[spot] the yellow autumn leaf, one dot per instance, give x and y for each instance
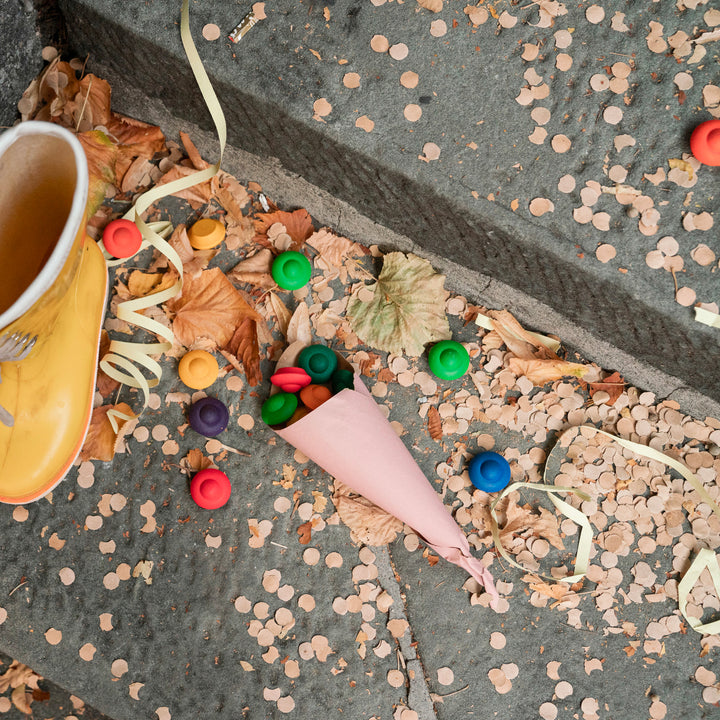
(404, 309)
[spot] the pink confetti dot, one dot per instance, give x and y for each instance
(412, 112)
(211, 32)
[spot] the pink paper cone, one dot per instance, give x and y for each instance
(350, 438)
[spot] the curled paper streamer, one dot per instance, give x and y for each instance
(128, 355)
(704, 559)
(707, 317)
(582, 556)
(350, 438)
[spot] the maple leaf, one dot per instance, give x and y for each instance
(298, 225)
(100, 439)
(209, 307)
(404, 309)
(244, 347)
(197, 195)
(369, 524)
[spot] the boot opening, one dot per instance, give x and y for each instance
(38, 177)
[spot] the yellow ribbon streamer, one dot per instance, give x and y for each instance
(707, 317)
(582, 557)
(705, 558)
(128, 355)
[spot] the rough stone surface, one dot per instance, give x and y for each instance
(179, 647)
(469, 81)
(20, 59)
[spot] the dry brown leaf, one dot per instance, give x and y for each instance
(434, 423)
(333, 249)
(192, 152)
(141, 284)
(100, 438)
(239, 233)
(613, 385)
(135, 139)
(298, 225)
(208, 307)
(195, 461)
(299, 327)
(540, 372)
(548, 526)
(15, 676)
(90, 106)
(105, 384)
(137, 177)
(516, 338)
(369, 524)
(255, 270)
(231, 194)
(304, 532)
(22, 699)
(197, 195)
(282, 314)
(101, 157)
(244, 348)
(556, 591)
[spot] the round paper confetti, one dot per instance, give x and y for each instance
(379, 43)
(53, 636)
(566, 184)
(595, 14)
(211, 32)
(365, 123)
(409, 79)
(561, 143)
(321, 107)
(399, 51)
(412, 112)
(497, 640)
(540, 206)
(685, 296)
(445, 676)
(438, 28)
(395, 678)
(351, 80)
(612, 115)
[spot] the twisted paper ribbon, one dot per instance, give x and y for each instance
(128, 355)
(705, 557)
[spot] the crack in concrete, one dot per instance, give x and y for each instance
(419, 698)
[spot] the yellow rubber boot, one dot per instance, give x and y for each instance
(53, 284)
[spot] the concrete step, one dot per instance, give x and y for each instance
(471, 206)
(283, 90)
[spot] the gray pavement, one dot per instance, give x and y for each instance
(185, 645)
